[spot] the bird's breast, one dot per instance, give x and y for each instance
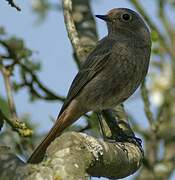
(119, 79)
(130, 66)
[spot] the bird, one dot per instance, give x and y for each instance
(111, 73)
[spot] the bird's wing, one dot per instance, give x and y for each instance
(94, 63)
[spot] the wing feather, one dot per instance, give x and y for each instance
(95, 62)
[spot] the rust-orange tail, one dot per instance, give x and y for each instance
(63, 121)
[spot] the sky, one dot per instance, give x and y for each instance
(51, 45)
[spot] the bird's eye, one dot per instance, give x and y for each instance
(126, 17)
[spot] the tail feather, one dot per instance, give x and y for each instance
(65, 119)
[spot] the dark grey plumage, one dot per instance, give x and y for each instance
(111, 73)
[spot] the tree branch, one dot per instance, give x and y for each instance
(6, 76)
(75, 156)
(14, 121)
(48, 94)
(18, 126)
(71, 29)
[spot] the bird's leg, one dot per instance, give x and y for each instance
(120, 129)
(112, 123)
(109, 129)
(100, 120)
(128, 133)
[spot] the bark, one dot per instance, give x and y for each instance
(74, 156)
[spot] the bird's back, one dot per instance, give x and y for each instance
(126, 66)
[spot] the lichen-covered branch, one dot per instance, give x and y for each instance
(75, 156)
(81, 27)
(6, 76)
(71, 29)
(13, 121)
(16, 125)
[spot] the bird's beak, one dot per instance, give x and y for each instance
(103, 17)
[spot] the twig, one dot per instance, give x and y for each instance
(153, 126)
(71, 29)
(12, 4)
(144, 93)
(12, 108)
(50, 95)
(165, 20)
(17, 126)
(14, 122)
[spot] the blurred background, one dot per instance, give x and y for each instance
(37, 67)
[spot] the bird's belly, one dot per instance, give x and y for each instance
(115, 83)
(105, 92)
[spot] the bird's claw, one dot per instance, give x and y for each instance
(125, 138)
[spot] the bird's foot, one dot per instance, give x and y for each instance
(126, 138)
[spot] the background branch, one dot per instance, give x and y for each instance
(6, 76)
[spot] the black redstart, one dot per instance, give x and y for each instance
(110, 74)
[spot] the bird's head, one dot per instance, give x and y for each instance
(125, 21)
